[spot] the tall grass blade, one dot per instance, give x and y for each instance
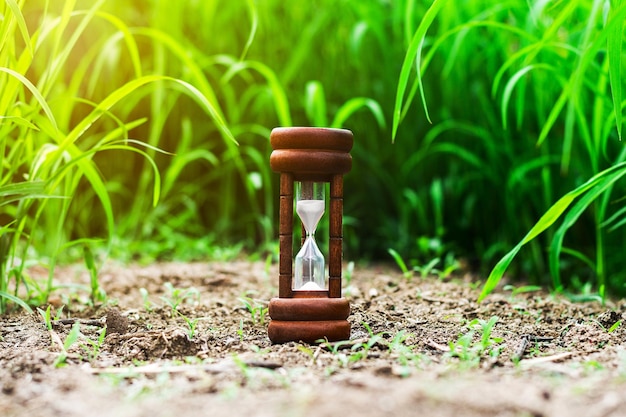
(16, 300)
(26, 189)
(38, 96)
(278, 93)
(510, 85)
(614, 50)
(315, 104)
(254, 20)
(571, 217)
(135, 84)
(414, 50)
(603, 180)
(21, 23)
(355, 104)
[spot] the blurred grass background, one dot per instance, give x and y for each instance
(141, 128)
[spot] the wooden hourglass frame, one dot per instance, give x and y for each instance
(316, 155)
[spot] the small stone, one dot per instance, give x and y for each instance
(116, 323)
(373, 292)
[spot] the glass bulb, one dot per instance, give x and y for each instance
(309, 263)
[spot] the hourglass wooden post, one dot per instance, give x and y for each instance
(310, 307)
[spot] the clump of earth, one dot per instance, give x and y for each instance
(191, 338)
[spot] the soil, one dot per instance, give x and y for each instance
(419, 346)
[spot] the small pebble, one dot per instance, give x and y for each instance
(116, 323)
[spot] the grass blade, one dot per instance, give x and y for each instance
(315, 104)
(614, 50)
(571, 217)
(21, 23)
(38, 96)
(16, 300)
(510, 85)
(604, 178)
(414, 50)
(254, 17)
(353, 105)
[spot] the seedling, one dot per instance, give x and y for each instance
(47, 319)
(71, 338)
(402, 353)
(257, 310)
(356, 350)
(240, 330)
(98, 295)
(93, 347)
(178, 296)
(450, 264)
(335, 348)
(521, 290)
(191, 324)
(308, 351)
(614, 326)
(429, 268)
(408, 274)
(147, 304)
(469, 351)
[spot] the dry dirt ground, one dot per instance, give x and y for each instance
(190, 339)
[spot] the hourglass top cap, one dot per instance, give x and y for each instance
(311, 138)
(311, 150)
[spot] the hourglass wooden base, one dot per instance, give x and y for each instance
(308, 319)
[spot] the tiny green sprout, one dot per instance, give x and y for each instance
(178, 296)
(98, 295)
(191, 324)
(93, 347)
(451, 264)
(71, 338)
(46, 316)
(406, 272)
(470, 351)
(240, 330)
(308, 351)
(147, 304)
(335, 350)
(614, 326)
(368, 328)
(428, 268)
(257, 309)
(403, 353)
(59, 313)
(521, 290)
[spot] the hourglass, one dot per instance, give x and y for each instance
(309, 306)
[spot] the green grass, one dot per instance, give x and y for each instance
(140, 130)
(50, 179)
(546, 129)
